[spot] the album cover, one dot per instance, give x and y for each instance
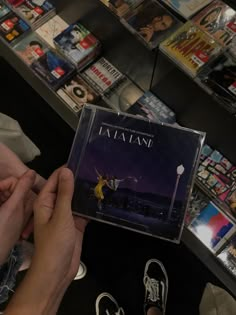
(152, 108)
(191, 48)
(212, 227)
(102, 75)
(4, 10)
(206, 151)
(32, 12)
(14, 3)
(79, 91)
(187, 8)
(123, 94)
(228, 256)
(53, 69)
(198, 202)
(77, 44)
(121, 7)
(151, 22)
(30, 48)
(218, 21)
(221, 79)
(112, 158)
(51, 29)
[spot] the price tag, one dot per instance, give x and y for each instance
(231, 26)
(232, 88)
(7, 25)
(58, 72)
(200, 58)
(38, 52)
(38, 11)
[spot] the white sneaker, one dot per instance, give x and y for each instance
(107, 305)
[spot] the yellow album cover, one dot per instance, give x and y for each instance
(191, 48)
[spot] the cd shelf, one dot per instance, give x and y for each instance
(131, 57)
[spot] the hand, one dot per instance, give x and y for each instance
(58, 237)
(11, 165)
(15, 196)
(147, 32)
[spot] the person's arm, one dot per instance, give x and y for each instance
(58, 245)
(97, 173)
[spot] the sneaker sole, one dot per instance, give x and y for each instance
(81, 275)
(165, 273)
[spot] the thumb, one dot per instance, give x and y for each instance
(64, 193)
(22, 188)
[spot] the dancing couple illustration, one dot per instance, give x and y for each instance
(112, 183)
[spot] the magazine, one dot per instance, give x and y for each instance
(131, 172)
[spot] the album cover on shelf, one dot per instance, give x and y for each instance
(228, 256)
(12, 27)
(4, 10)
(218, 20)
(51, 29)
(152, 108)
(220, 77)
(206, 151)
(102, 75)
(217, 175)
(78, 45)
(198, 202)
(14, 3)
(123, 94)
(121, 7)
(79, 93)
(187, 8)
(35, 14)
(30, 48)
(151, 22)
(53, 69)
(191, 48)
(212, 227)
(111, 159)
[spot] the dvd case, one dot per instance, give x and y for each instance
(53, 69)
(78, 45)
(191, 48)
(30, 48)
(49, 30)
(102, 75)
(151, 22)
(4, 10)
(78, 92)
(228, 256)
(187, 8)
(217, 20)
(131, 172)
(212, 227)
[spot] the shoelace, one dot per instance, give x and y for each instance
(153, 288)
(119, 312)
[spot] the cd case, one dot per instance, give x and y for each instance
(131, 172)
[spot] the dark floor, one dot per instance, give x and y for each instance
(115, 258)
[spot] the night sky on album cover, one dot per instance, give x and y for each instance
(155, 168)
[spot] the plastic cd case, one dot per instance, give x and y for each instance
(131, 172)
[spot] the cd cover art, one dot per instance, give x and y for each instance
(53, 69)
(30, 48)
(228, 256)
(4, 10)
(217, 20)
(212, 227)
(79, 91)
(187, 8)
(31, 12)
(121, 7)
(131, 173)
(191, 48)
(152, 22)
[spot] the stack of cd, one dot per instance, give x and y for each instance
(35, 12)
(78, 45)
(12, 27)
